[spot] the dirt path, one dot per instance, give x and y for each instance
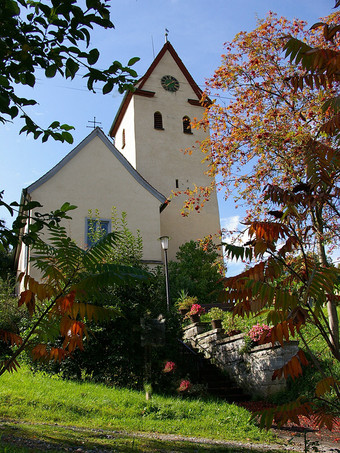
(292, 441)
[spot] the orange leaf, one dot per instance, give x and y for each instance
(27, 297)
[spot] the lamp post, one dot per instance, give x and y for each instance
(165, 245)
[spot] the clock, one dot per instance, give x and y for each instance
(169, 83)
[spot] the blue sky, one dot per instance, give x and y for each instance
(198, 29)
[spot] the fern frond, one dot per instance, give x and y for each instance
(238, 252)
(99, 251)
(282, 414)
(108, 275)
(10, 337)
(92, 312)
(325, 385)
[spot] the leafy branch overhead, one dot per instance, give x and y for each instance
(53, 37)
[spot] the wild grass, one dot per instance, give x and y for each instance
(38, 398)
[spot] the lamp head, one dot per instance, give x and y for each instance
(164, 242)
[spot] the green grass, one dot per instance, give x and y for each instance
(39, 399)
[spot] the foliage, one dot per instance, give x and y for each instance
(275, 135)
(62, 302)
(53, 37)
(215, 313)
(184, 301)
(196, 271)
(231, 323)
(119, 359)
(129, 250)
(292, 289)
(259, 135)
(6, 264)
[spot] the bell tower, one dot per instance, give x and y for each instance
(152, 128)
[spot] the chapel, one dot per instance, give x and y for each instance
(138, 166)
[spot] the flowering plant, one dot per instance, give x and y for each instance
(259, 331)
(196, 309)
(169, 367)
(184, 386)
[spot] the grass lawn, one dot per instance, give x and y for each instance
(37, 406)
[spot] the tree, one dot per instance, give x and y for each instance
(290, 282)
(259, 125)
(53, 37)
(197, 271)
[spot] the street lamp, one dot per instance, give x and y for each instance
(165, 245)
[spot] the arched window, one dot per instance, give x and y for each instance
(158, 121)
(186, 125)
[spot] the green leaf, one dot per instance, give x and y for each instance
(72, 68)
(67, 137)
(67, 207)
(93, 56)
(66, 127)
(133, 60)
(107, 88)
(51, 71)
(54, 125)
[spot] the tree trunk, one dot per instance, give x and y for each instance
(333, 318)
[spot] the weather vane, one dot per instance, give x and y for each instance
(95, 123)
(166, 35)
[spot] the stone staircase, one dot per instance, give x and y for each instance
(206, 373)
(252, 370)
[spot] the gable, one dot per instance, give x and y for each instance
(111, 149)
(144, 88)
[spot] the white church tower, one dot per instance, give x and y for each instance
(152, 128)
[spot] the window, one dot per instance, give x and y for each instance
(96, 229)
(123, 139)
(158, 121)
(186, 125)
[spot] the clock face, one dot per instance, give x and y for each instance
(169, 83)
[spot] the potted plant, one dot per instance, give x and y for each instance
(195, 312)
(216, 315)
(232, 325)
(185, 302)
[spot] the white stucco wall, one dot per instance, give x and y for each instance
(127, 124)
(160, 157)
(95, 179)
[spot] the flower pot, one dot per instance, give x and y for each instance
(183, 311)
(216, 324)
(194, 318)
(231, 333)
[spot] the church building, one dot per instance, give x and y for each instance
(138, 167)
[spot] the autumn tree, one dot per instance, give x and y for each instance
(266, 129)
(258, 124)
(292, 279)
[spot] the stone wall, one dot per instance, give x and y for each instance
(251, 371)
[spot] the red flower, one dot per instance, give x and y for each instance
(196, 309)
(169, 367)
(184, 386)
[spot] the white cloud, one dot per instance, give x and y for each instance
(230, 223)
